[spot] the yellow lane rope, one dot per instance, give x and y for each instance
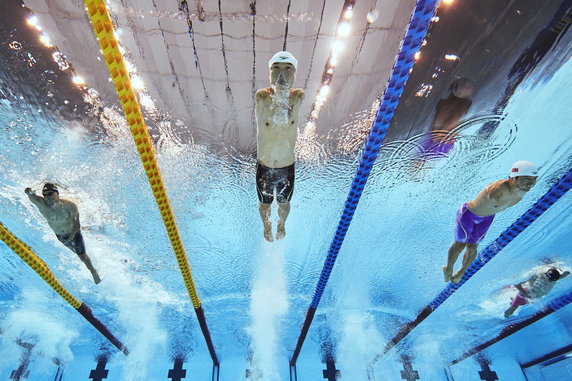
(36, 264)
(105, 33)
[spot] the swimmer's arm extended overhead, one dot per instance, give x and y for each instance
(564, 274)
(36, 200)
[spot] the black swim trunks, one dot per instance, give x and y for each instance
(268, 179)
(75, 243)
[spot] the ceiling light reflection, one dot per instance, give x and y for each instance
(372, 15)
(337, 47)
(452, 57)
(33, 21)
(344, 29)
(137, 82)
(129, 66)
(78, 80)
(45, 39)
(348, 14)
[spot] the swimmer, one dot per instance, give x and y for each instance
(277, 112)
(448, 113)
(63, 217)
(475, 217)
(535, 287)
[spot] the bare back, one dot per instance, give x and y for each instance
(276, 141)
(539, 286)
(62, 216)
(495, 198)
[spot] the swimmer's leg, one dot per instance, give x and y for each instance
(470, 255)
(452, 255)
(283, 211)
(85, 259)
(77, 245)
(265, 210)
(509, 311)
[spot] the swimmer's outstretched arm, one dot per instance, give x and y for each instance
(36, 200)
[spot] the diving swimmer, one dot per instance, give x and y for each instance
(63, 217)
(277, 110)
(535, 287)
(475, 217)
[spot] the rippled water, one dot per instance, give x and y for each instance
(388, 269)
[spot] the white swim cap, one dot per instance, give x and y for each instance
(523, 168)
(283, 57)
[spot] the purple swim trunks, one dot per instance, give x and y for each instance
(519, 300)
(432, 149)
(470, 228)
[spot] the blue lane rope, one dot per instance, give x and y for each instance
(555, 192)
(416, 31)
(510, 329)
(424, 11)
(550, 197)
(560, 302)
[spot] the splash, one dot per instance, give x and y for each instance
(280, 106)
(134, 296)
(359, 341)
(268, 306)
(359, 336)
(33, 324)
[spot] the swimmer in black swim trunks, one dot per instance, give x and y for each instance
(277, 111)
(63, 217)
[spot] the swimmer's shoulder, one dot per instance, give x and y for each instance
(499, 184)
(69, 206)
(496, 189)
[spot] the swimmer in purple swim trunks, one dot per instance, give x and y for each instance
(475, 217)
(448, 113)
(63, 217)
(535, 287)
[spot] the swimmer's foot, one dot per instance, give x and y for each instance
(96, 278)
(509, 311)
(280, 230)
(447, 274)
(268, 232)
(457, 277)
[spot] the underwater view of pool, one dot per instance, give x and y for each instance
(385, 312)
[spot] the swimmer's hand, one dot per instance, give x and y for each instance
(522, 290)
(263, 94)
(29, 191)
(298, 93)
